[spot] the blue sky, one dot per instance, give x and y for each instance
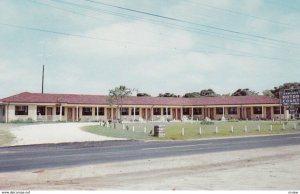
(90, 47)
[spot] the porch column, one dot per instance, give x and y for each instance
(262, 111)
(285, 113)
(77, 113)
(60, 112)
(105, 112)
(181, 113)
(6, 113)
(280, 112)
(161, 111)
(134, 113)
(112, 113)
(176, 114)
(151, 110)
(223, 115)
(192, 113)
(97, 113)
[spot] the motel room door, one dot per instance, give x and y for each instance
(108, 112)
(268, 112)
(178, 114)
(144, 113)
(174, 113)
(114, 114)
(49, 113)
(70, 114)
(248, 113)
(148, 114)
(211, 113)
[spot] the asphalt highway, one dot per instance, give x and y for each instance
(43, 156)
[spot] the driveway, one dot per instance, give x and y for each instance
(54, 133)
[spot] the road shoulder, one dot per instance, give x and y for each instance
(256, 169)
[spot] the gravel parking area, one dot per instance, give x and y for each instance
(54, 133)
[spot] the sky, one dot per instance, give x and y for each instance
(155, 46)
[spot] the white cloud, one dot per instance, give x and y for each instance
(127, 39)
(153, 58)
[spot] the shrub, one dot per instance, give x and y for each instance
(29, 120)
(206, 123)
(233, 120)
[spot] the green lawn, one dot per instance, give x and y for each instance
(191, 130)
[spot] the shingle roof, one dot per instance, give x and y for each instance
(27, 97)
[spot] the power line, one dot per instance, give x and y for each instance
(247, 54)
(186, 28)
(193, 23)
(62, 9)
(234, 12)
(127, 42)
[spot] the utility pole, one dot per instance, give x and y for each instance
(43, 79)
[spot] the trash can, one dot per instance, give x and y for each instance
(159, 131)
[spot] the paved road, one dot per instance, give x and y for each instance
(73, 154)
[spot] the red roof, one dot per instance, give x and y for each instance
(27, 97)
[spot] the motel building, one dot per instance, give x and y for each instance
(75, 108)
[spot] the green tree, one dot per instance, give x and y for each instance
(142, 94)
(192, 95)
(202, 93)
(208, 93)
(116, 96)
(268, 93)
(167, 94)
(244, 92)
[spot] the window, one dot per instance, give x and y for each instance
(232, 110)
(197, 111)
(100, 111)
(87, 111)
(58, 110)
(186, 111)
(41, 110)
(156, 111)
(219, 111)
(125, 111)
(257, 110)
(276, 110)
(21, 110)
(137, 111)
(165, 111)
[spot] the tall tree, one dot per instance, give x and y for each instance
(116, 96)
(285, 86)
(167, 94)
(244, 92)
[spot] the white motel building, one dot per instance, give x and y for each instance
(75, 108)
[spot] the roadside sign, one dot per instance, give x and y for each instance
(290, 97)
